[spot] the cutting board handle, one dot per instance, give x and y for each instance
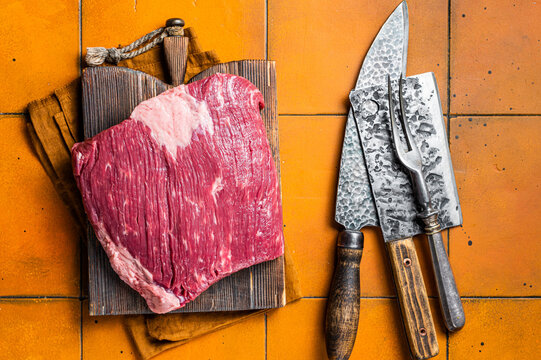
(342, 316)
(176, 50)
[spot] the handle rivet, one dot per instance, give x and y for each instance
(407, 262)
(369, 107)
(422, 331)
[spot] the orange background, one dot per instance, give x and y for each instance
(486, 58)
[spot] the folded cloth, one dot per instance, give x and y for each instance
(55, 125)
(154, 334)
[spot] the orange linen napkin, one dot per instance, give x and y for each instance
(55, 125)
(156, 333)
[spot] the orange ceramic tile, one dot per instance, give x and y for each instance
(496, 162)
(380, 334)
(105, 337)
(319, 48)
(235, 29)
(310, 154)
(39, 50)
(495, 57)
(310, 148)
(429, 42)
(40, 329)
(503, 329)
(243, 341)
(38, 240)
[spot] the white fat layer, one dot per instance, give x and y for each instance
(131, 271)
(173, 117)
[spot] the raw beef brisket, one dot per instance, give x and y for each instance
(185, 191)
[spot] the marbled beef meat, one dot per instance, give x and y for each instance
(185, 191)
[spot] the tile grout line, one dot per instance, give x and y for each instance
(448, 121)
(449, 115)
(448, 244)
(447, 338)
(534, 297)
(39, 297)
(448, 134)
(81, 297)
(265, 336)
(494, 114)
(448, 66)
(80, 37)
(467, 297)
(266, 29)
(81, 330)
(312, 114)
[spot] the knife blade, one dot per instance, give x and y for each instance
(355, 209)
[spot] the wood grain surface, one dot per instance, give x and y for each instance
(413, 299)
(342, 316)
(176, 53)
(109, 96)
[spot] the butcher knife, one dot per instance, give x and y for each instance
(356, 208)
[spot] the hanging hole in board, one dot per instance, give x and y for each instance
(407, 262)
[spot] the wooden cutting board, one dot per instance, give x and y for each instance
(109, 96)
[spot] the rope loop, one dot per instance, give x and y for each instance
(98, 55)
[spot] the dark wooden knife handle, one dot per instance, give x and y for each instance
(342, 316)
(413, 299)
(176, 54)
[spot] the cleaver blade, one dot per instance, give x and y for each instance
(390, 182)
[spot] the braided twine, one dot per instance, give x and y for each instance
(98, 55)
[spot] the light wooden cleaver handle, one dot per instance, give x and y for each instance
(413, 299)
(342, 316)
(176, 51)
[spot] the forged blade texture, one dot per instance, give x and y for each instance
(355, 206)
(388, 54)
(390, 182)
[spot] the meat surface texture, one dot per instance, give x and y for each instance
(184, 192)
